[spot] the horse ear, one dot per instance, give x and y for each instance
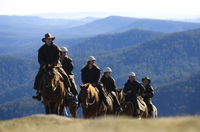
(119, 90)
(84, 85)
(87, 85)
(81, 86)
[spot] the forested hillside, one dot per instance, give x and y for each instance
(109, 42)
(179, 98)
(165, 57)
(17, 77)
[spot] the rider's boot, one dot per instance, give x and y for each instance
(105, 101)
(38, 96)
(68, 92)
(118, 107)
(75, 100)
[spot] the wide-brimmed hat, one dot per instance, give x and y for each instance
(146, 78)
(48, 35)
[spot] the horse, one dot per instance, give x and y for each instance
(52, 91)
(72, 107)
(68, 104)
(110, 109)
(91, 103)
(90, 100)
(128, 107)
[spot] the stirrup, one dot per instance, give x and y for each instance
(37, 97)
(106, 103)
(119, 109)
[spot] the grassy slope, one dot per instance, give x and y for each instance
(41, 123)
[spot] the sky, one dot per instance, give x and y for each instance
(186, 9)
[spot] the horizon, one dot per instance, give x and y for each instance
(156, 9)
(99, 15)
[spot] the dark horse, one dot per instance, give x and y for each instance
(128, 108)
(68, 103)
(52, 91)
(72, 107)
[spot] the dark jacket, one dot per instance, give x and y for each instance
(67, 65)
(149, 92)
(48, 54)
(135, 87)
(108, 83)
(90, 75)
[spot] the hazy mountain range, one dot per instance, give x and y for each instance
(167, 51)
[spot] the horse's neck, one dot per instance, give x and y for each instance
(92, 91)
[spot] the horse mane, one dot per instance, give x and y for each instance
(119, 89)
(92, 90)
(90, 87)
(84, 86)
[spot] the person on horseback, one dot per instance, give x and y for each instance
(110, 86)
(133, 89)
(48, 55)
(90, 73)
(68, 66)
(148, 94)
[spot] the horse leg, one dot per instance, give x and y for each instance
(58, 108)
(72, 110)
(84, 114)
(155, 112)
(61, 111)
(46, 105)
(52, 108)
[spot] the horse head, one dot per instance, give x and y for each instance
(51, 79)
(87, 94)
(121, 96)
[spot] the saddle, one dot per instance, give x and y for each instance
(106, 94)
(141, 103)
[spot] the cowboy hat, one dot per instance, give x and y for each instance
(48, 35)
(146, 78)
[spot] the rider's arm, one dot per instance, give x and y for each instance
(114, 85)
(97, 76)
(151, 92)
(41, 59)
(125, 90)
(71, 66)
(83, 77)
(141, 89)
(56, 56)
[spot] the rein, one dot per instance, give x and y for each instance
(91, 103)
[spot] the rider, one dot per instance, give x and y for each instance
(90, 73)
(68, 66)
(133, 89)
(48, 55)
(110, 86)
(148, 94)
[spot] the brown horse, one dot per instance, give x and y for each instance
(72, 107)
(110, 109)
(128, 108)
(52, 91)
(91, 104)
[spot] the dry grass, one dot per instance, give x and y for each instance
(52, 123)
